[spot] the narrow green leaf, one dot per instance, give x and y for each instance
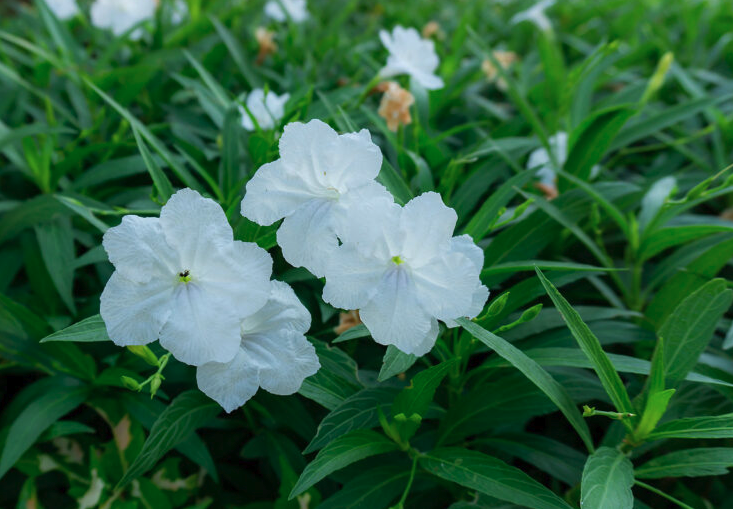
(343, 451)
(373, 489)
(491, 476)
(536, 374)
(591, 347)
(58, 400)
(189, 411)
(688, 463)
(86, 331)
(720, 426)
(56, 239)
(359, 411)
(161, 182)
(395, 362)
(688, 330)
(607, 479)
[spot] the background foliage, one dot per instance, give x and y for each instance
(633, 273)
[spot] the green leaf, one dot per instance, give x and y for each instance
(189, 411)
(395, 183)
(591, 347)
(531, 265)
(236, 52)
(373, 489)
(355, 412)
(415, 398)
(675, 235)
(356, 332)
(720, 426)
(535, 373)
(688, 330)
(607, 479)
(491, 476)
(688, 463)
(56, 239)
(161, 182)
(58, 400)
(395, 362)
(480, 224)
(656, 406)
(86, 331)
(343, 451)
(592, 138)
(335, 381)
(229, 172)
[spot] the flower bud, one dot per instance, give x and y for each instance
(530, 314)
(154, 385)
(130, 383)
(497, 306)
(144, 353)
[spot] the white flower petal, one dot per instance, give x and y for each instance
(369, 219)
(411, 54)
(465, 244)
(394, 316)
(308, 238)
(351, 278)
(202, 327)
(273, 193)
(284, 359)
(239, 275)
(428, 342)
(283, 311)
(194, 226)
(134, 313)
(122, 15)
(63, 9)
(356, 160)
(428, 80)
(230, 384)
(427, 225)
(446, 284)
(138, 250)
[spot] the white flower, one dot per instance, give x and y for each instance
(536, 14)
(273, 354)
(541, 158)
(410, 54)
(63, 9)
(267, 109)
(121, 15)
(181, 278)
(178, 11)
(403, 270)
(318, 176)
(297, 10)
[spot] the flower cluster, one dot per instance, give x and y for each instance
(182, 278)
(400, 267)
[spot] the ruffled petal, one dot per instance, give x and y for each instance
(351, 278)
(353, 160)
(202, 327)
(427, 225)
(283, 311)
(134, 313)
(230, 384)
(308, 238)
(369, 218)
(194, 226)
(283, 359)
(239, 275)
(274, 193)
(306, 149)
(446, 284)
(394, 315)
(138, 250)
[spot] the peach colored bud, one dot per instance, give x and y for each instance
(505, 59)
(727, 214)
(549, 191)
(347, 321)
(395, 106)
(266, 40)
(430, 29)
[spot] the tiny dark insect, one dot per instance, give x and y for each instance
(185, 273)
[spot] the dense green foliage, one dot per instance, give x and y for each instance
(600, 372)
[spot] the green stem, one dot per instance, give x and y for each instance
(401, 503)
(663, 494)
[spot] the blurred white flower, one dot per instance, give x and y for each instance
(267, 109)
(410, 54)
(121, 15)
(273, 354)
(178, 11)
(181, 278)
(297, 10)
(63, 9)
(319, 175)
(536, 14)
(403, 270)
(541, 158)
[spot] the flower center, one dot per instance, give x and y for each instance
(184, 276)
(398, 260)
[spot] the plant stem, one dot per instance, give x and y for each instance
(663, 494)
